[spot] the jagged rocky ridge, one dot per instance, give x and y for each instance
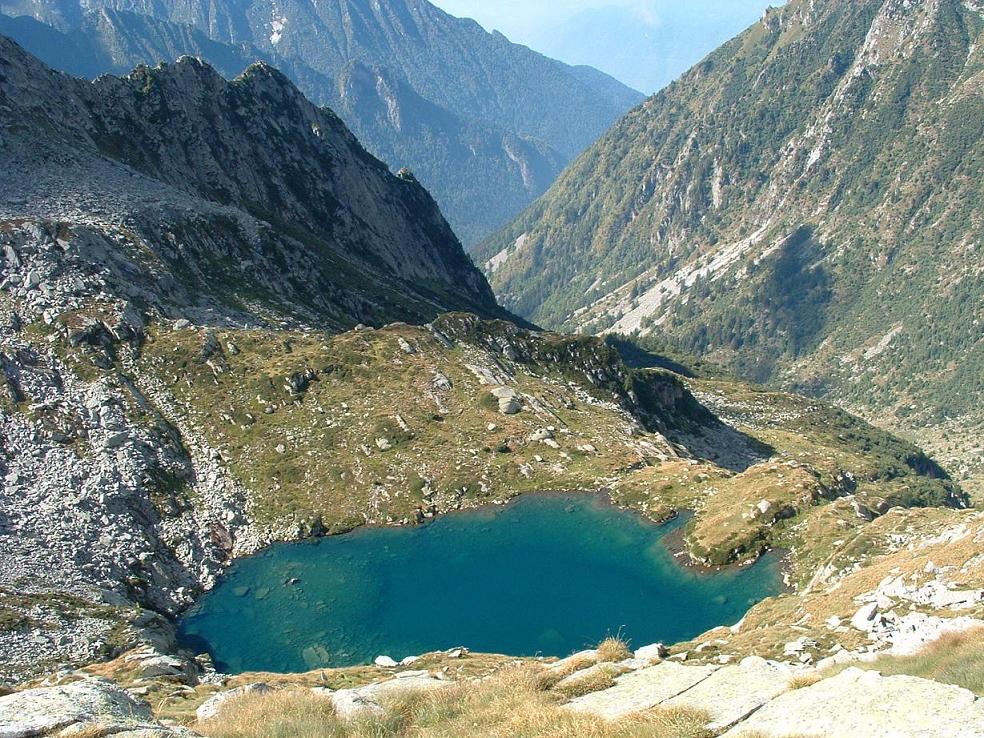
(241, 191)
(395, 71)
(803, 206)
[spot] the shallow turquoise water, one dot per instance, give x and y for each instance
(545, 575)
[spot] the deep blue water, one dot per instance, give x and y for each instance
(544, 575)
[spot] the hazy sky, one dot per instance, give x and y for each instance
(644, 43)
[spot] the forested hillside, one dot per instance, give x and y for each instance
(804, 206)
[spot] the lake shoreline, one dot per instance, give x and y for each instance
(354, 600)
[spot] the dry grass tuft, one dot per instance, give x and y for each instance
(806, 679)
(549, 677)
(591, 680)
(614, 649)
(509, 705)
(282, 714)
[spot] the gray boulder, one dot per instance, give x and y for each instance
(93, 706)
(652, 653)
(211, 707)
(864, 618)
(510, 401)
(352, 703)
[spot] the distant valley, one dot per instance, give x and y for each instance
(803, 207)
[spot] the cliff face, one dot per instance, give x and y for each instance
(804, 206)
(243, 185)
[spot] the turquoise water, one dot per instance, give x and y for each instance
(545, 575)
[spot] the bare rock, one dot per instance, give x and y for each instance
(642, 690)
(211, 707)
(864, 619)
(732, 693)
(864, 703)
(80, 708)
(653, 652)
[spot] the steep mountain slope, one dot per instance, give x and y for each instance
(230, 185)
(485, 124)
(114, 43)
(804, 205)
(452, 62)
(483, 175)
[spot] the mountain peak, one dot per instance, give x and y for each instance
(257, 178)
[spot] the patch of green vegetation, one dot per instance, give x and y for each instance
(315, 454)
(358, 442)
(12, 621)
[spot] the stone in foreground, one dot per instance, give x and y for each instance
(211, 707)
(732, 693)
(642, 690)
(864, 703)
(352, 703)
(91, 707)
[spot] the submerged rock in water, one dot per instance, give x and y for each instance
(316, 657)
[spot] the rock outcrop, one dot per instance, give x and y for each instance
(643, 690)
(92, 707)
(763, 699)
(856, 703)
(250, 189)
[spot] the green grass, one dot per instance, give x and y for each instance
(312, 458)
